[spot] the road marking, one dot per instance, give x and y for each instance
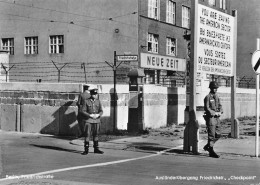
(91, 165)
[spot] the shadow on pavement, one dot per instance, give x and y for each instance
(56, 148)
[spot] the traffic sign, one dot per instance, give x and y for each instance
(127, 57)
(256, 61)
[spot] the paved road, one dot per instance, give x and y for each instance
(56, 161)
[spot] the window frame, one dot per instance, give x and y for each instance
(185, 18)
(171, 13)
(31, 47)
(55, 46)
(170, 45)
(154, 9)
(153, 43)
(10, 45)
(222, 4)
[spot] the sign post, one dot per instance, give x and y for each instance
(256, 67)
(213, 51)
(118, 58)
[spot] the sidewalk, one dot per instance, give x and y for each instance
(228, 147)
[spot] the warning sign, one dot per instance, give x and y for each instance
(214, 42)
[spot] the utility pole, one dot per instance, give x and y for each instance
(114, 67)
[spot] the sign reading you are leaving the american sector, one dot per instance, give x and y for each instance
(215, 48)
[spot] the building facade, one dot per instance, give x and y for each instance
(77, 41)
(248, 31)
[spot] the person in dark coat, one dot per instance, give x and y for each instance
(92, 112)
(81, 99)
(213, 110)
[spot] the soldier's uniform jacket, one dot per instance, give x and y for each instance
(81, 100)
(91, 106)
(211, 106)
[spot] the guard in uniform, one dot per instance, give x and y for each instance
(91, 111)
(81, 99)
(213, 110)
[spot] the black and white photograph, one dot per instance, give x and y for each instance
(129, 92)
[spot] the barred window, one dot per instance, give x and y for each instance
(56, 44)
(31, 45)
(8, 45)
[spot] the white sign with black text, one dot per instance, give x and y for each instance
(161, 62)
(215, 48)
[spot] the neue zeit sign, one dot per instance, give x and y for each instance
(161, 62)
(215, 48)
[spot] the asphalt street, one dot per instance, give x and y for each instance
(44, 159)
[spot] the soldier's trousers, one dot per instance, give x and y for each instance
(214, 131)
(91, 129)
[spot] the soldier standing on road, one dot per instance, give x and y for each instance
(213, 110)
(91, 111)
(81, 99)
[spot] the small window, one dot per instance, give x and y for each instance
(222, 4)
(153, 9)
(171, 48)
(171, 8)
(31, 45)
(56, 44)
(152, 43)
(8, 45)
(185, 17)
(212, 2)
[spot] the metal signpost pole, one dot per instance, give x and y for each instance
(257, 108)
(234, 122)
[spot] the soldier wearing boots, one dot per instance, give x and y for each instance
(213, 110)
(91, 111)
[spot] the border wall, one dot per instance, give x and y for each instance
(51, 108)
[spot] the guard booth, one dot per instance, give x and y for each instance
(135, 106)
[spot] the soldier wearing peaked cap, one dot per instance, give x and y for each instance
(213, 110)
(92, 111)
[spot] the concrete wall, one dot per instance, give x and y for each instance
(163, 106)
(51, 108)
(245, 102)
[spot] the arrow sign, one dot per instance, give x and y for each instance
(256, 61)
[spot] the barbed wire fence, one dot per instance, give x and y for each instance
(70, 72)
(93, 72)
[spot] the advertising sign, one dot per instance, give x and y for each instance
(215, 43)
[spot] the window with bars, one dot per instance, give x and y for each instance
(222, 4)
(152, 43)
(154, 9)
(185, 17)
(171, 46)
(8, 45)
(31, 45)
(56, 44)
(171, 8)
